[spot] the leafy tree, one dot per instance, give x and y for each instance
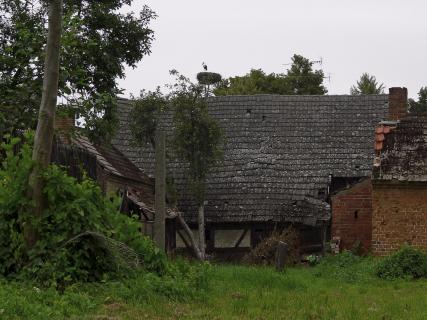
(299, 79)
(198, 142)
(145, 116)
(420, 106)
(196, 139)
(367, 85)
(97, 42)
(255, 82)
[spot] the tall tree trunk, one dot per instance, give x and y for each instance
(45, 126)
(201, 218)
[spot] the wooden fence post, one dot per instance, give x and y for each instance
(281, 256)
(160, 191)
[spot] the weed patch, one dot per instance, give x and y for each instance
(347, 267)
(407, 263)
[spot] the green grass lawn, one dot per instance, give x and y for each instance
(229, 292)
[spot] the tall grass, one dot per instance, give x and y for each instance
(344, 287)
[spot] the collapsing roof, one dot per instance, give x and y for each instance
(279, 157)
(401, 150)
(77, 151)
(112, 160)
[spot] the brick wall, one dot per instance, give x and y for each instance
(352, 215)
(398, 103)
(399, 217)
(64, 123)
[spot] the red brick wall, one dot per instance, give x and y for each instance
(398, 103)
(352, 215)
(399, 217)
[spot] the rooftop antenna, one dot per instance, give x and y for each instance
(320, 61)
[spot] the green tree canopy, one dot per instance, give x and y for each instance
(302, 79)
(298, 80)
(367, 85)
(196, 139)
(420, 106)
(145, 115)
(98, 40)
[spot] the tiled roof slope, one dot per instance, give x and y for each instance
(279, 154)
(403, 152)
(112, 160)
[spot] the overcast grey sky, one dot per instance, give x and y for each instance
(386, 38)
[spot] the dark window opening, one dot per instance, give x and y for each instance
(263, 118)
(321, 193)
(356, 214)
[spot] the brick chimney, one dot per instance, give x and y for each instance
(64, 127)
(64, 123)
(398, 103)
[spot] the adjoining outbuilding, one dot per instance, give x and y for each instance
(352, 218)
(104, 163)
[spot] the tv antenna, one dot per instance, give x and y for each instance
(320, 61)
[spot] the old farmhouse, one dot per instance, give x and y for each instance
(286, 158)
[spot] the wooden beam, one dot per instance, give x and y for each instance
(145, 216)
(187, 245)
(324, 230)
(241, 238)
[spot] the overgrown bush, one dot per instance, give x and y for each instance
(346, 266)
(265, 251)
(73, 208)
(408, 263)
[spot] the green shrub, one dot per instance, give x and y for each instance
(408, 263)
(346, 266)
(74, 210)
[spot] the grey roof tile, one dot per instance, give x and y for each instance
(404, 153)
(268, 164)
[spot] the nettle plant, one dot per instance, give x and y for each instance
(75, 210)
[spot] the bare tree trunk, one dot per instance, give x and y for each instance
(190, 235)
(45, 126)
(202, 245)
(160, 194)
